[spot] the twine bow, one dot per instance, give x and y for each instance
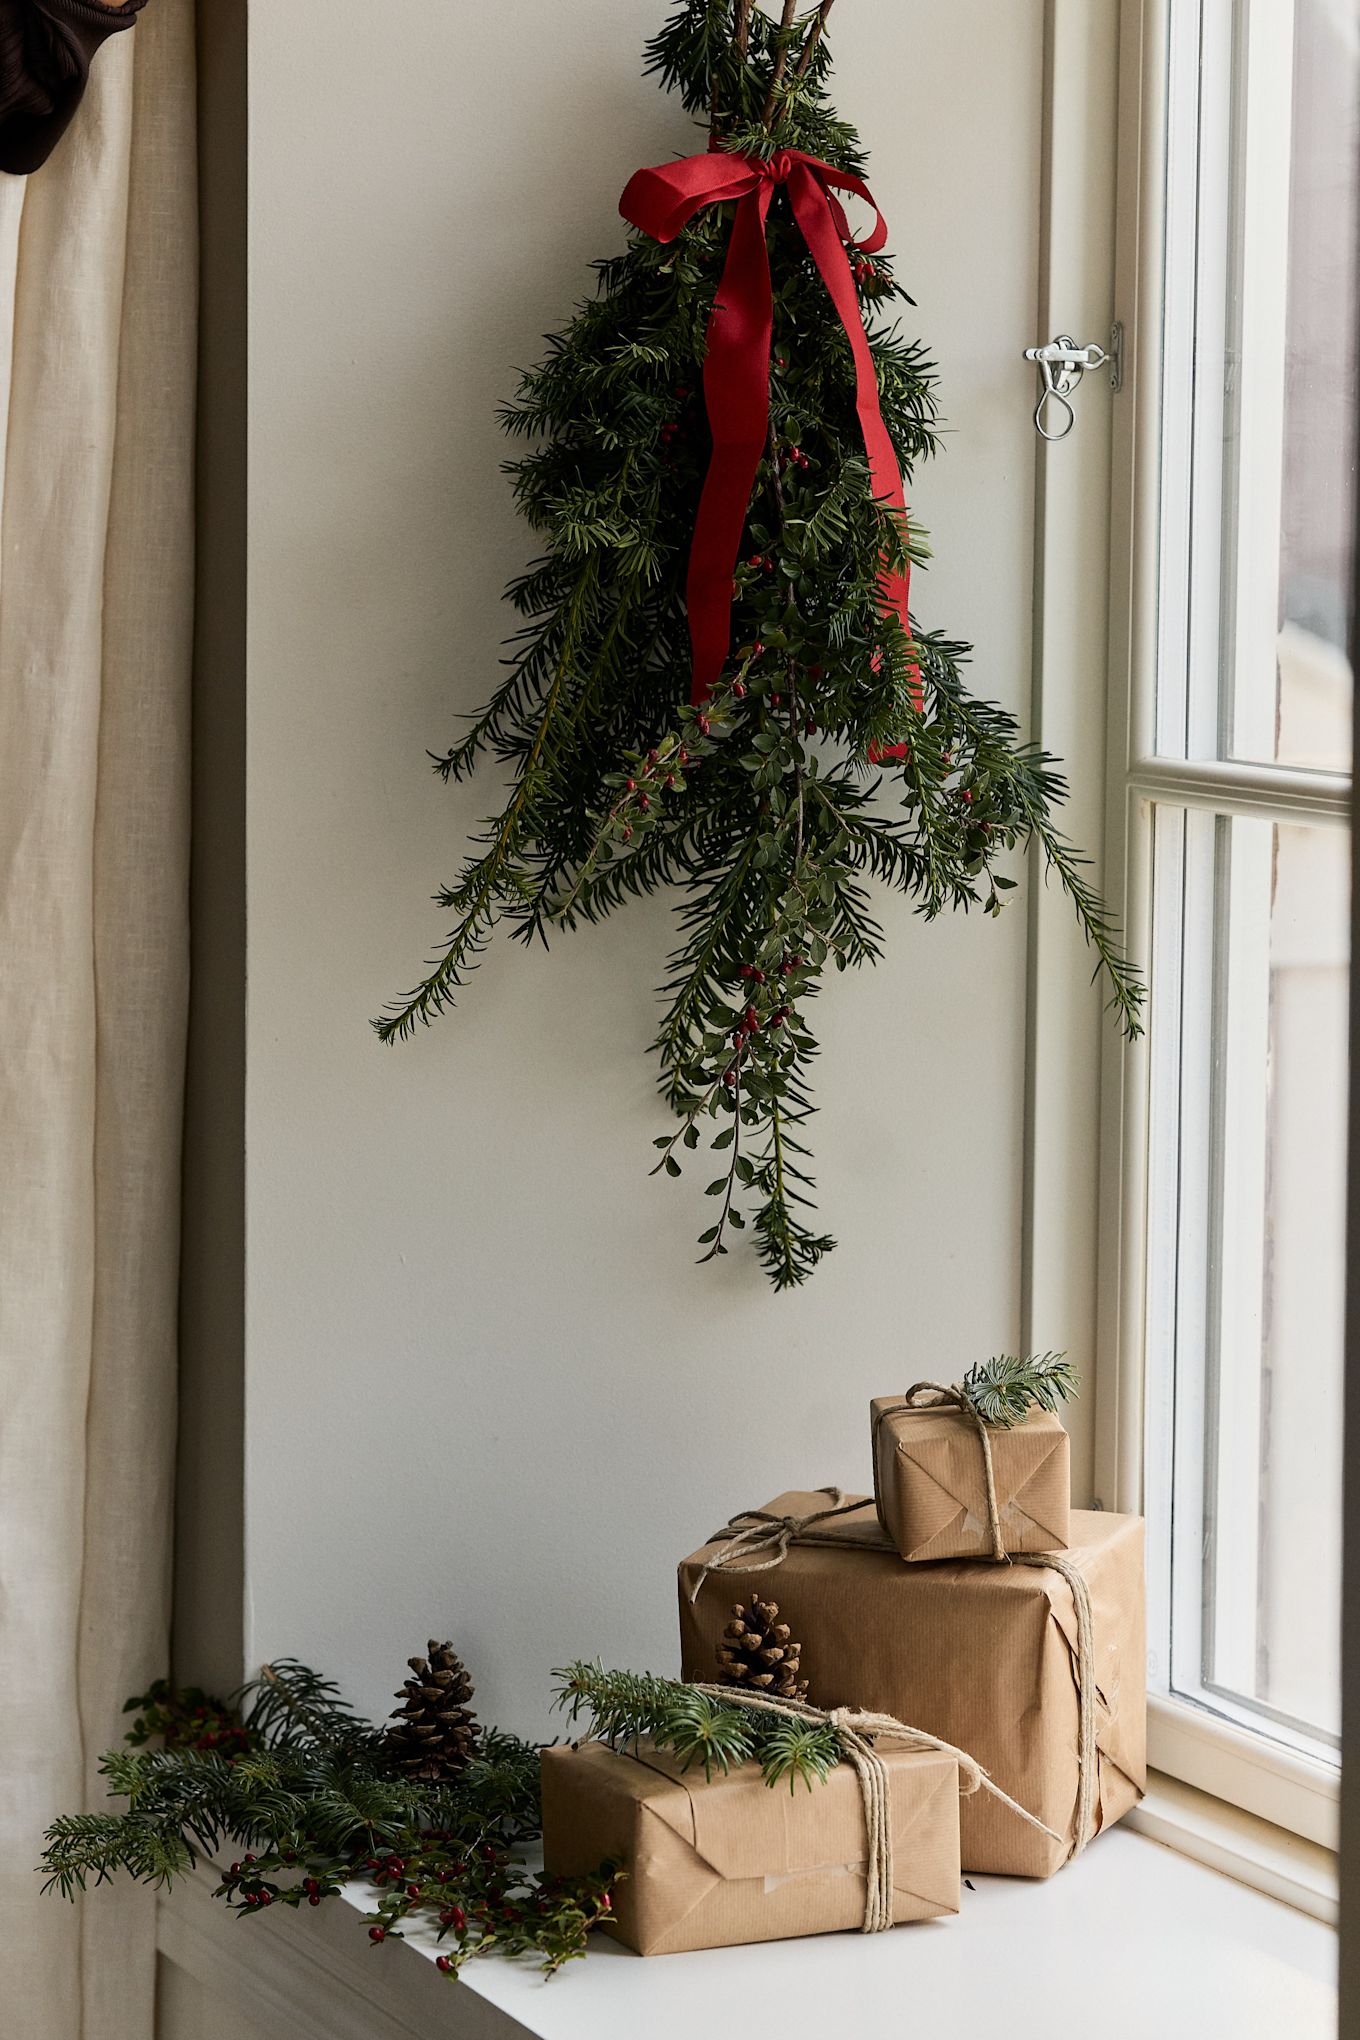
(753, 1530)
(660, 201)
(935, 1395)
(856, 1733)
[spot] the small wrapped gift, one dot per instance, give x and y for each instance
(715, 1861)
(949, 1485)
(1036, 1668)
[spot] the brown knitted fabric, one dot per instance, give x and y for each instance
(46, 47)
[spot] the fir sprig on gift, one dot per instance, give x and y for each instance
(1006, 1389)
(315, 1798)
(623, 1708)
(761, 806)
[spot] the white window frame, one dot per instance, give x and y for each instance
(1207, 1750)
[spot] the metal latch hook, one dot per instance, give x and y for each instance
(1061, 365)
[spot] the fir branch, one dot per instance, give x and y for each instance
(1004, 1390)
(309, 1796)
(626, 1708)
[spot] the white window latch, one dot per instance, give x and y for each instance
(1062, 364)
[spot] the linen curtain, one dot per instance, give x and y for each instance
(97, 313)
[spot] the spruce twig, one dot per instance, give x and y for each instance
(1004, 1390)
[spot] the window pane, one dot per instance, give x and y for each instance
(1246, 1276)
(1260, 374)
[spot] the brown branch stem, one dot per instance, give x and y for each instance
(780, 61)
(814, 36)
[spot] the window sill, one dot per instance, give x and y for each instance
(1149, 1941)
(1243, 1770)
(1251, 1851)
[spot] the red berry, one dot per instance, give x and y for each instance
(266, 1898)
(460, 1869)
(786, 968)
(249, 1859)
(797, 962)
(377, 1933)
(683, 755)
(754, 560)
(777, 1019)
(443, 1962)
(396, 1864)
(627, 835)
(810, 727)
(775, 700)
(487, 1853)
(795, 453)
(310, 1884)
(644, 803)
(315, 1899)
(632, 786)
(752, 1021)
(730, 1079)
(235, 1870)
(703, 725)
(651, 757)
(966, 793)
(757, 649)
(747, 970)
(413, 1891)
(606, 1902)
(739, 689)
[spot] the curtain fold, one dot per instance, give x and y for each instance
(97, 312)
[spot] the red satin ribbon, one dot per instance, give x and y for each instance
(737, 364)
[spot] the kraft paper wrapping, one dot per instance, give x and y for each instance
(714, 1862)
(982, 1655)
(932, 1486)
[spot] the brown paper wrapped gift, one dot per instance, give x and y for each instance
(930, 1480)
(984, 1656)
(727, 1859)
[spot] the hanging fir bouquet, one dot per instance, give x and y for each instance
(716, 685)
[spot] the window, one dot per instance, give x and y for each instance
(1235, 798)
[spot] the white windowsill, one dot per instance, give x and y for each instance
(1133, 1939)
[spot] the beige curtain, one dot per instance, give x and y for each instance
(97, 303)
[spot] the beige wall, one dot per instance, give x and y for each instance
(488, 1392)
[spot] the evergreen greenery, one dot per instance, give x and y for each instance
(762, 806)
(627, 1707)
(315, 1798)
(1003, 1391)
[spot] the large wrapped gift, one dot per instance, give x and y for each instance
(714, 1861)
(1036, 1667)
(950, 1486)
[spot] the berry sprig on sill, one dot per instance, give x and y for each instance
(311, 1799)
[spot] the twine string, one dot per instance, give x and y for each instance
(937, 1395)
(856, 1732)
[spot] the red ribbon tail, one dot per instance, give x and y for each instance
(737, 395)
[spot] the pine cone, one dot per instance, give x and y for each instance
(756, 1651)
(435, 1730)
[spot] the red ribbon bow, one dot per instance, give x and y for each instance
(737, 363)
